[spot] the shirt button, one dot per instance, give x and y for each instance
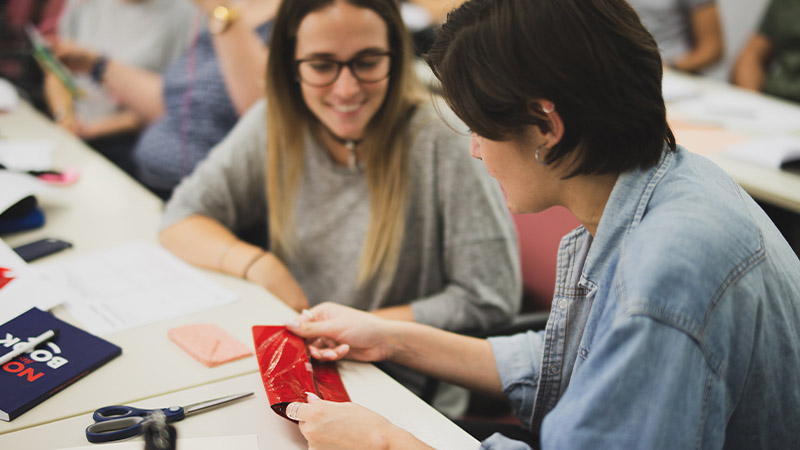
(562, 304)
(554, 370)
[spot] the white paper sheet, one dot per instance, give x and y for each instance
(27, 154)
(737, 109)
(131, 285)
(16, 186)
(27, 289)
(674, 87)
(773, 151)
(240, 442)
(9, 99)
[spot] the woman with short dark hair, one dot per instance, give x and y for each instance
(674, 320)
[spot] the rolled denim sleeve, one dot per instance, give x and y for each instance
(518, 359)
(499, 442)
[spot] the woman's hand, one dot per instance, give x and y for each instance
(269, 272)
(65, 118)
(330, 425)
(92, 130)
(335, 331)
(76, 58)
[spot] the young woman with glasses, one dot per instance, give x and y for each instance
(372, 201)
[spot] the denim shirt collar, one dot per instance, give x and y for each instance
(624, 210)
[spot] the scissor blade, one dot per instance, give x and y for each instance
(202, 406)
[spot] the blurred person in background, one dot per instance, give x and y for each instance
(199, 98)
(688, 32)
(770, 60)
(145, 34)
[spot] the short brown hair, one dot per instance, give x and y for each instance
(592, 58)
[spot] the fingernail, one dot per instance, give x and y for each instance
(291, 323)
(308, 314)
(311, 395)
(329, 354)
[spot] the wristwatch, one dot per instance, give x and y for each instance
(221, 19)
(98, 70)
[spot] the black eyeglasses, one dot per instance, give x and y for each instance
(366, 68)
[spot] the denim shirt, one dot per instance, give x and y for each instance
(676, 326)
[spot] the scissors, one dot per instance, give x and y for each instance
(113, 423)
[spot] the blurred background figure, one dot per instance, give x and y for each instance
(200, 96)
(770, 60)
(422, 17)
(688, 32)
(146, 34)
(17, 64)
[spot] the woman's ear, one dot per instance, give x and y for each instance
(546, 110)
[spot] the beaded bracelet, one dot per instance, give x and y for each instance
(252, 263)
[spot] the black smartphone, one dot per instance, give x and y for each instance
(41, 248)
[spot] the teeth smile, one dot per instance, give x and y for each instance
(346, 108)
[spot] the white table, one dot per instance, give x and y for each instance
(725, 108)
(252, 415)
(106, 207)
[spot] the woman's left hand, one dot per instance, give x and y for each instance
(331, 425)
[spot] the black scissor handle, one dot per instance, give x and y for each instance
(116, 422)
(172, 414)
(114, 429)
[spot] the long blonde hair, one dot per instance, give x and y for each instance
(385, 145)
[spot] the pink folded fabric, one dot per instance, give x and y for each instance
(209, 344)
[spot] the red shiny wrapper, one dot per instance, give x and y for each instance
(4, 279)
(288, 372)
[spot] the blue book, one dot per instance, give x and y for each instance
(33, 377)
(23, 215)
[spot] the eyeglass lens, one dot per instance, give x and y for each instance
(366, 68)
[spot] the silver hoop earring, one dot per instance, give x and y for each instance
(536, 155)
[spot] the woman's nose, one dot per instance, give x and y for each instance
(347, 84)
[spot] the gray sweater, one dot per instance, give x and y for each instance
(459, 262)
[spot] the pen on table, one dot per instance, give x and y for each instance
(35, 173)
(28, 346)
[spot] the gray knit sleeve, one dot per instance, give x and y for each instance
(481, 258)
(229, 185)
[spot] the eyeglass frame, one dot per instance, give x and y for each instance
(340, 65)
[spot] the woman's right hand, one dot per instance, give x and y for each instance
(269, 272)
(65, 117)
(77, 58)
(335, 331)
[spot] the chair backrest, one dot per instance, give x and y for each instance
(42, 13)
(539, 236)
(18, 12)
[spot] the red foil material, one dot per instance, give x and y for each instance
(4, 279)
(288, 372)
